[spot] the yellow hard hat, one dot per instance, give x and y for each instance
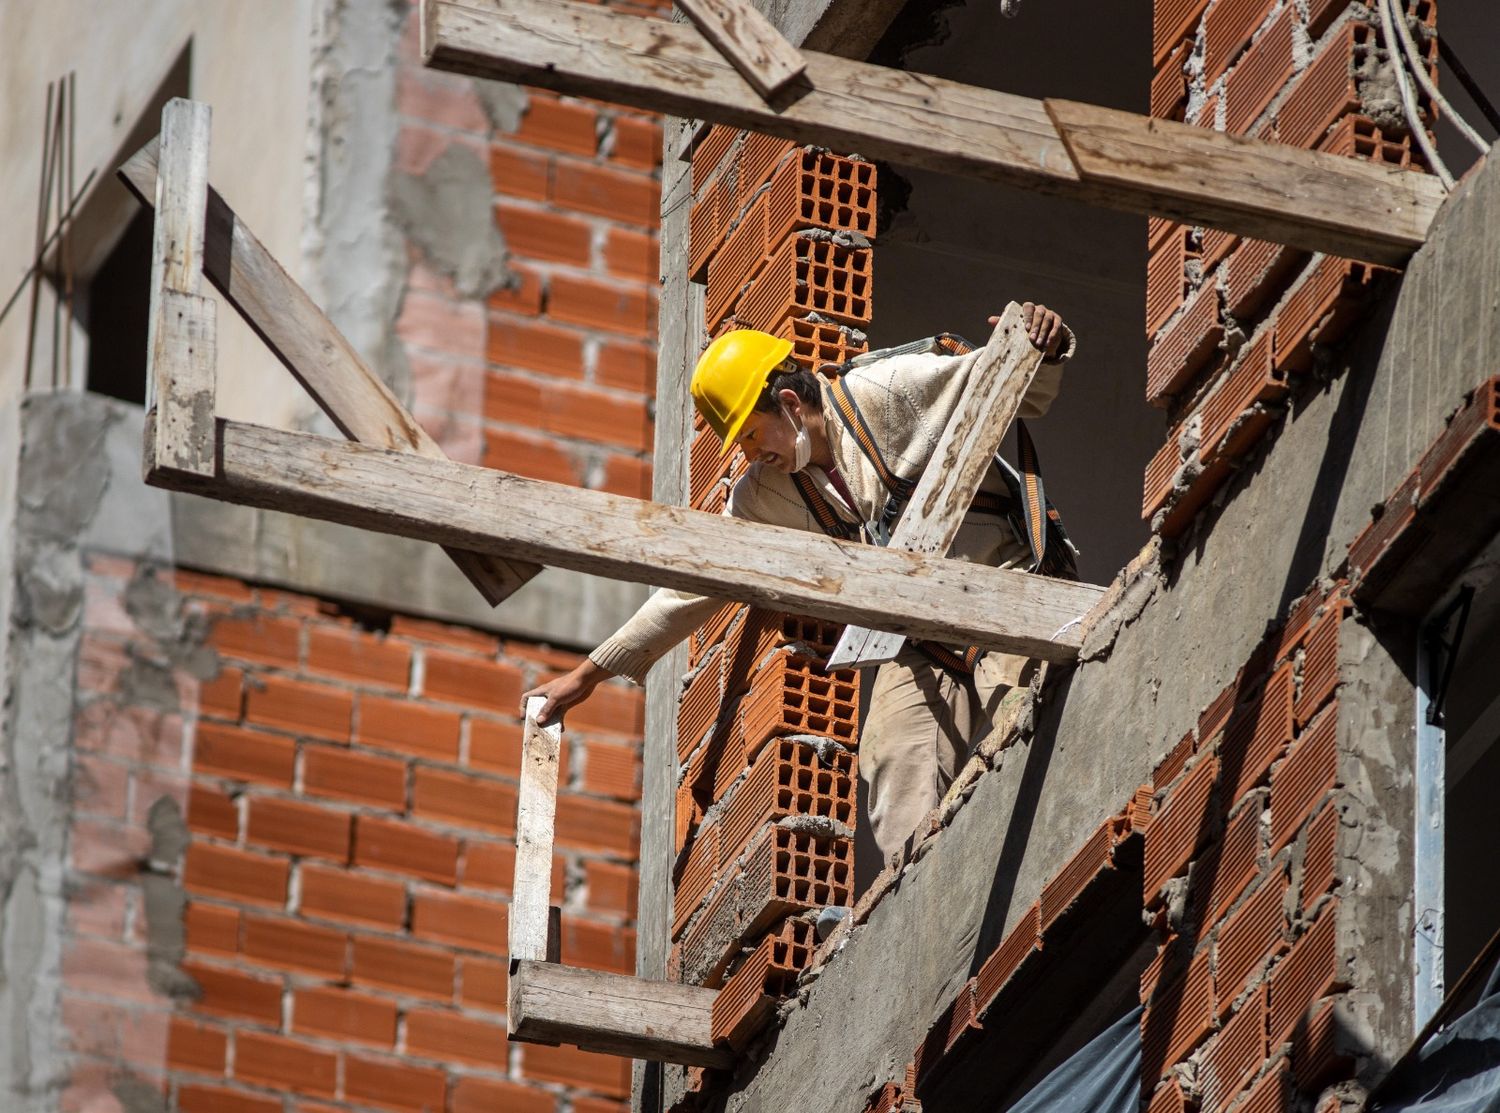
(731, 373)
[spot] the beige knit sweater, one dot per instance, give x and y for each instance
(907, 401)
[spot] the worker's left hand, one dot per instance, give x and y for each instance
(1044, 328)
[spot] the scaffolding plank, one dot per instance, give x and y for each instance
(614, 1013)
(536, 809)
(926, 121)
(749, 41)
(955, 469)
(315, 352)
(629, 539)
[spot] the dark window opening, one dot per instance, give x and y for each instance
(115, 314)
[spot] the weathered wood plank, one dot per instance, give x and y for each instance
(315, 352)
(1359, 209)
(536, 809)
(749, 41)
(963, 454)
(181, 329)
(919, 120)
(183, 357)
(627, 539)
(614, 1013)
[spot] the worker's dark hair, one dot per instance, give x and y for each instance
(789, 375)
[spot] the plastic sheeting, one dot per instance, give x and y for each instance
(1457, 1070)
(1103, 1076)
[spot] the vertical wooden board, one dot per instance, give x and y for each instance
(536, 809)
(182, 363)
(181, 197)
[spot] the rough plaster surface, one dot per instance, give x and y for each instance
(1285, 523)
(447, 211)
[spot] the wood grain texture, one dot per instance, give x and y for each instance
(749, 41)
(628, 539)
(1344, 206)
(963, 454)
(292, 326)
(536, 809)
(925, 121)
(181, 197)
(614, 1013)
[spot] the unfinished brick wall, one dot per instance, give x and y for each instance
(292, 853)
(766, 738)
(552, 375)
(1236, 324)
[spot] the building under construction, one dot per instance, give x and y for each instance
(344, 351)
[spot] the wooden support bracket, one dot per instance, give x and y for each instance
(749, 41)
(180, 382)
(959, 461)
(310, 347)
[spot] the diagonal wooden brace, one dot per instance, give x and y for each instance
(749, 41)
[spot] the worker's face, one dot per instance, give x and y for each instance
(770, 437)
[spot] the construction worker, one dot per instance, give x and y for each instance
(824, 456)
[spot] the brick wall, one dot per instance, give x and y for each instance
(552, 375)
(780, 236)
(292, 853)
(1236, 325)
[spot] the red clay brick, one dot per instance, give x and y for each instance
(1232, 1057)
(1227, 30)
(202, 584)
(276, 1061)
(340, 895)
(1318, 863)
(237, 874)
(462, 921)
(409, 727)
(480, 1095)
(604, 1074)
(1262, 73)
(534, 346)
(497, 746)
(224, 694)
(518, 172)
(396, 845)
(300, 707)
(612, 888)
(1220, 876)
(299, 828)
(355, 655)
(1172, 20)
(295, 945)
(1180, 827)
(550, 237)
(444, 634)
(626, 475)
(1309, 970)
(243, 755)
(623, 308)
(1270, 1094)
(391, 1084)
(211, 929)
(522, 294)
(438, 99)
(637, 143)
(598, 946)
(483, 984)
(211, 812)
(629, 198)
(549, 122)
(1177, 1021)
(405, 967)
(465, 800)
(534, 457)
(616, 708)
(611, 770)
(195, 1047)
(469, 680)
(587, 824)
(627, 366)
(354, 776)
(630, 254)
(1302, 781)
(342, 1014)
(1315, 1050)
(449, 1035)
(216, 1099)
(1248, 938)
(271, 641)
(231, 993)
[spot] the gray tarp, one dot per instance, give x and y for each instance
(1103, 1076)
(1457, 1070)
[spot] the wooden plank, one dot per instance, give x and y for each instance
(183, 355)
(615, 1014)
(923, 121)
(181, 329)
(1350, 207)
(627, 539)
(536, 808)
(959, 461)
(315, 352)
(749, 41)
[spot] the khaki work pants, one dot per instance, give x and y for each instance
(920, 725)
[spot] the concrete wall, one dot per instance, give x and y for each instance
(1177, 639)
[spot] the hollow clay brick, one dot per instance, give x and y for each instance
(1233, 1056)
(807, 275)
(1020, 943)
(1256, 273)
(1315, 1052)
(1064, 889)
(1227, 29)
(770, 972)
(789, 778)
(737, 261)
(1161, 473)
(710, 152)
(1309, 970)
(1230, 424)
(1254, 934)
(1178, 1020)
(819, 189)
(1172, 20)
(760, 155)
(699, 869)
(1305, 778)
(1257, 733)
(1175, 761)
(1166, 278)
(1169, 87)
(1260, 75)
(1319, 311)
(1221, 876)
(1320, 661)
(1168, 1098)
(1326, 90)
(699, 708)
(1180, 827)
(816, 343)
(1185, 347)
(790, 694)
(1319, 867)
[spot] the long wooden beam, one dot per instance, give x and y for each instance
(963, 454)
(1312, 200)
(614, 1013)
(489, 511)
(314, 351)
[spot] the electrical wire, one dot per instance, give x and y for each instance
(1418, 67)
(1409, 98)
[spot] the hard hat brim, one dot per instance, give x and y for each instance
(732, 431)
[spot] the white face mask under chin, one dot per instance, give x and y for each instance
(802, 446)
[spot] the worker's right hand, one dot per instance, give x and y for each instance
(564, 691)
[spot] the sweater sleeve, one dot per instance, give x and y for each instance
(663, 620)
